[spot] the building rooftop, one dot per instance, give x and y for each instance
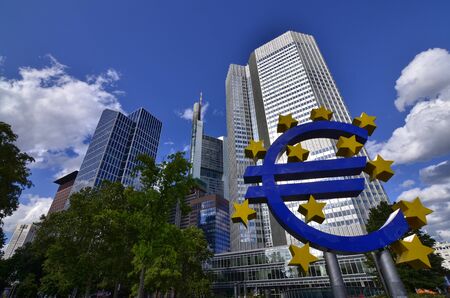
(66, 178)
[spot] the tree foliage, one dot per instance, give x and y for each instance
(94, 230)
(25, 266)
(118, 239)
(412, 279)
(13, 174)
(163, 187)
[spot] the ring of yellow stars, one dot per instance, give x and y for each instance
(285, 122)
(412, 252)
(348, 147)
(415, 212)
(365, 121)
(321, 114)
(301, 257)
(255, 150)
(243, 213)
(296, 153)
(380, 169)
(313, 210)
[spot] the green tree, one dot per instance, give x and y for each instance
(13, 174)
(24, 269)
(163, 187)
(90, 243)
(193, 252)
(412, 279)
(112, 238)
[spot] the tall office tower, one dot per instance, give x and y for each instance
(443, 249)
(209, 213)
(289, 75)
(23, 234)
(175, 216)
(225, 168)
(206, 154)
(62, 194)
(117, 141)
(241, 128)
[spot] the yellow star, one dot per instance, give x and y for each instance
(379, 169)
(415, 212)
(255, 150)
(301, 257)
(321, 114)
(243, 213)
(285, 122)
(365, 121)
(412, 252)
(312, 210)
(348, 147)
(297, 153)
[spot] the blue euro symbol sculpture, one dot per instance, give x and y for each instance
(275, 195)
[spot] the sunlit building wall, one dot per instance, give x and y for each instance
(23, 234)
(115, 145)
(287, 75)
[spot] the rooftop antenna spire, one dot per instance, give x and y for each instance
(200, 105)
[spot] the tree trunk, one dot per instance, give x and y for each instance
(141, 283)
(88, 287)
(116, 290)
(87, 292)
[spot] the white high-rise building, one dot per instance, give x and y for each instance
(443, 249)
(23, 234)
(288, 75)
(241, 128)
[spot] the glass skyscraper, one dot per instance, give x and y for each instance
(209, 209)
(211, 214)
(206, 154)
(117, 141)
(241, 128)
(287, 75)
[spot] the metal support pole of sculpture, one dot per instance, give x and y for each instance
(377, 266)
(335, 275)
(390, 275)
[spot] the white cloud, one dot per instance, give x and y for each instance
(217, 112)
(29, 211)
(425, 77)
(423, 135)
(437, 198)
(407, 183)
(436, 174)
(186, 148)
(373, 148)
(188, 113)
(54, 113)
(425, 85)
(169, 143)
(2, 60)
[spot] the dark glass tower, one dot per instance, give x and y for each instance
(213, 217)
(117, 141)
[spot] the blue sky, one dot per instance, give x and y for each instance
(161, 54)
